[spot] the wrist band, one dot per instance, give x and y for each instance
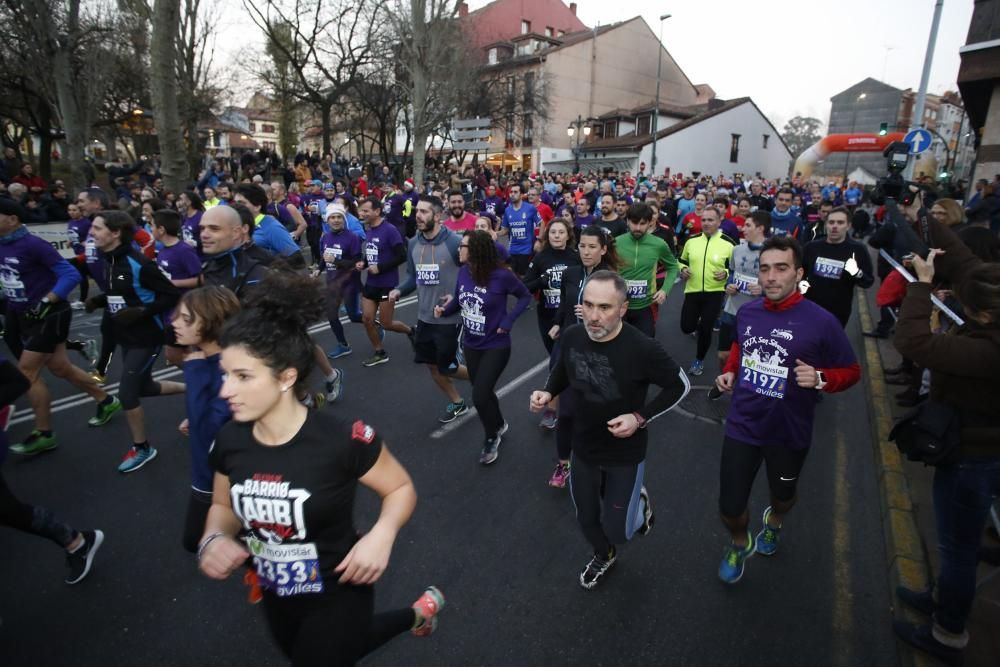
(639, 420)
(205, 542)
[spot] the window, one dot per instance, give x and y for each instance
(509, 134)
(766, 137)
(643, 125)
(611, 129)
(525, 27)
(493, 56)
(253, 126)
(561, 33)
(549, 31)
(529, 90)
(734, 149)
(269, 129)
(529, 130)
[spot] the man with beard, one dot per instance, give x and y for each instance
(641, 252)
(607, 365)
(459, 220)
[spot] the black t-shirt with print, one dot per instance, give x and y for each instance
(298, 493)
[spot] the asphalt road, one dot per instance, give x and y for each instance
(501, 544)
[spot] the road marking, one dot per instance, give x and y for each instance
(503, 391)
(843, 597)
(76, 400)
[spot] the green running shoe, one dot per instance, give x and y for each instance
(36, 443)
(105, 412)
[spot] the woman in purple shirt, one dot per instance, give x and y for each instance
(77, 230)
(481, 293)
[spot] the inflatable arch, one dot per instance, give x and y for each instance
(841, 143)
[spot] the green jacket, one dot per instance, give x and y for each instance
(704, 255)
(639, 262)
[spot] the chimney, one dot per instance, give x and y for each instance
(572, 8)
(463, 9)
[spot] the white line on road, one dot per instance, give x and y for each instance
(503, 391)
(75, 400)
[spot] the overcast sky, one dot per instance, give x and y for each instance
(790, 56)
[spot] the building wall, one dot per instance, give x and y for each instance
(501, 20)
(848, 115)
(705, 146)
(624, 76)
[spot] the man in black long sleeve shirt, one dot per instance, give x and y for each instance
(834, 265)
(607, 365)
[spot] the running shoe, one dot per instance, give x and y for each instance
(380, 357)
(35, 443)
(647, 512)
(549, 419)
(559, 476)
(697, 367)
(597, 568)
(924, 638)
(77, 305)
(80, 347)
(732, 565)
(767, 538)
(717, 325)
(491, 450)
(99, 377)
(428, 607)
(335, 389)
(105, 411)
(339, 351)
(922, 601)
(79, 561)
(453, 412)
(90, 348)
(136, 458)
(503, 428)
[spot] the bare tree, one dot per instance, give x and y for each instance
(195, 60)
(281, 80)
(164, 89)
(331, 43)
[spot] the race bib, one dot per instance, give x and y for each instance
(473, 321)
(90, 251)
(518, 233)
(828, 268)
(371, 253)
(428, 274)
(551, 298)
(331, 255)
(767, 378)
(743, 281)
(286, 569)
(115, 303)
(13, 288)
(637, 289)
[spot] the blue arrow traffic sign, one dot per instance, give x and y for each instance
(919, 140)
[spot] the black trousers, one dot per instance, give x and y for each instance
(608, 507)
(699, 313)
(485, 368)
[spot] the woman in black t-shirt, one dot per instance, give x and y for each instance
(284, 488)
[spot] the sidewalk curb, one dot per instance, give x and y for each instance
(905, 557)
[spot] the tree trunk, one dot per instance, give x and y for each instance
(163, 93)
(325, 111)
(75, 121)
(45, 143)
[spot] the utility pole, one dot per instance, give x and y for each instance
(656, 105)
(917, 120)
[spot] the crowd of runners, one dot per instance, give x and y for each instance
(225, 280)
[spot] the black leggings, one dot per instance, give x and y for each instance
(739, 466)
(642, 319)
(137, 375)
(698, 313)
(108, 344)
(485, 367)
(28, 519)
(347, 293)
(313, 234)
(608, 507)
(546, 318)
(81, 266)
(334, 628)
(198, 505)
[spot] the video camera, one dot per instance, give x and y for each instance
(892, 185)
(894, 191)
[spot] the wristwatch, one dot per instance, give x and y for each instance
(640, 420)
(820, 380)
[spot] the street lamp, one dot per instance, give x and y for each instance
(577, 127)
(854, 120)
(656, 105)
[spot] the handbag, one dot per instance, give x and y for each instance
(930, 434)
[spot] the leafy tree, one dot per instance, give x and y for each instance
(800, 133)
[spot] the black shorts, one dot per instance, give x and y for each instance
(727, 334)
(739, 466)
(437, 344)
(376, 294)
(519, 264)
(44, 336)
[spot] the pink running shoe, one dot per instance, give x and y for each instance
(428, 606)
(559, 476)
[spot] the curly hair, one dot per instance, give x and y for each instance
(483, 256)
(273, 325)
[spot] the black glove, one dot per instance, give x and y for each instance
(39, 311)
(129, 316)
(94, 303)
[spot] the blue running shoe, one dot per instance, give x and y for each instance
(339, 351)
(767, 538)
(697, 367)
(731, 567)
(136, 458)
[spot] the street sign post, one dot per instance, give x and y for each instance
(919, 140)
(471, 134)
